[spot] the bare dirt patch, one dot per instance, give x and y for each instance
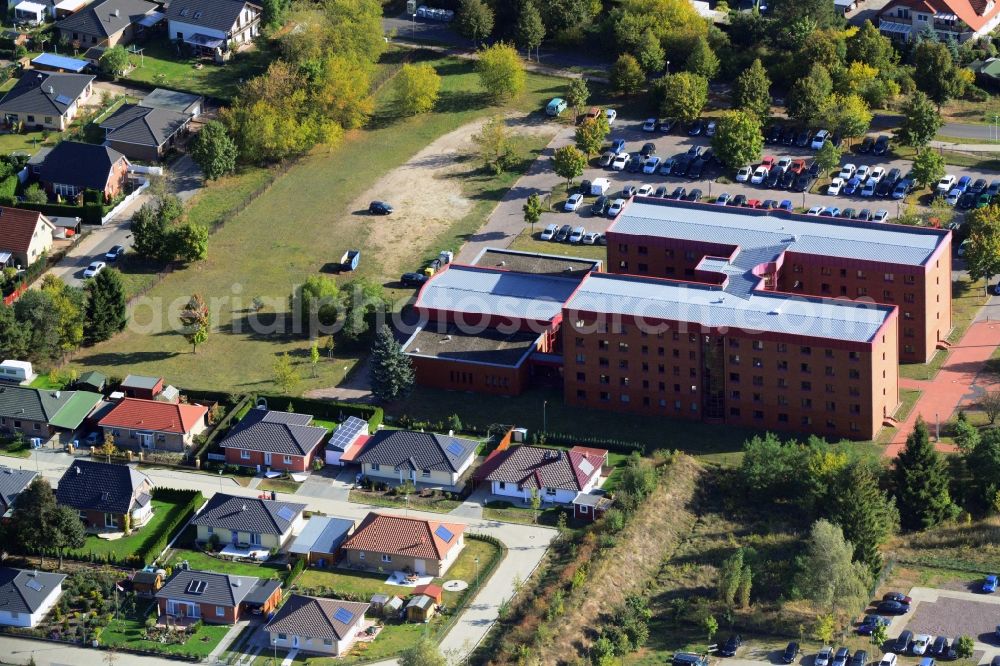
(428, 195)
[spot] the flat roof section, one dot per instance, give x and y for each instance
(489, 347)
(536, 263)
(710, 306)
(754, 229)
(488, 291)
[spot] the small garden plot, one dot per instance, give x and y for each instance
(380, 493)
(137, 630)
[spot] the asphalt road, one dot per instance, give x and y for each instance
(984, 133)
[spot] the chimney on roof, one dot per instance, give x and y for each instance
(56, 394)
(77, 469)
(116, 13)
(51, 90)
(244, 507)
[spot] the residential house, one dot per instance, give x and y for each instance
(109, 23)
(29, 12)
(43, 413)
(435, 592)
(426, 458)
(45, 100)
(103, 494)
(144, 133)
(172, 100)
(216, 598)
(397, 543)
(151, 424)
(12, 482)
(960, 20)
(274, 440)
(25, 237)
(213, 27)
(323, 626)
(557, 476)
(72, 167)
(27, 596)
(138, 386)
(347, 441)
(235, 520)
(320, 540)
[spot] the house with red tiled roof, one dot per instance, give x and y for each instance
(397, 543)
(25, 236)
(556, 475)
(961, 20)
(150, 424)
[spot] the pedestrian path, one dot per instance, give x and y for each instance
(959, 382)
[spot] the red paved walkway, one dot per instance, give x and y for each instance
(957, 383)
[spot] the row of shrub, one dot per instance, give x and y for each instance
(89, 213)
(616, 445)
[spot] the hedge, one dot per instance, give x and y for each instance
(222, 426)
(90, 213)
(8, 186)
(194, 500)
(616, 445)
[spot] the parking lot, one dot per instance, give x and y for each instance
(952, 613)
(677, 143)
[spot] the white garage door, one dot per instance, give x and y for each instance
(420, 566)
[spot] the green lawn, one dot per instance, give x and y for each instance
(129, 632)
(279, 485)
(393, 639)
(199, 560)
(130, 544)
(437, 504)
(162, 66)
(528, 243)
(524, 514)
(22, 450)
(296, 229)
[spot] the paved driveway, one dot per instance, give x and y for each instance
(952, 613)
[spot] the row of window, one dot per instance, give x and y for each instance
(758, 380)
(245, 455)
(425, 473)
(460, 377)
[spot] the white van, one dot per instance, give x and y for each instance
(599, 186)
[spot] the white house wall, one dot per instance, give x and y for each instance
(188, 29)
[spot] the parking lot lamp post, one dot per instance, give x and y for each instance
(668, 68)
(274, 643)
(477, 573)
(545, 416)
(996, 125)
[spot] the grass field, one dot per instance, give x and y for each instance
(161, 65)
(436, 504)
(279, 485)
(129, 631)
(527, 242)
(130, 544)
(200, 561)
(295, 229)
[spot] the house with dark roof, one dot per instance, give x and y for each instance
(274, 440)
(12, 482)
(27, 596)
(25, 236)
(43, 414)
(103, 494)
(45, 100)
(251, 521)
(322, 626)
(398, 543)
(215, 598)
(320, 540)
(213, 27)
(422, 458)
(138, 424)
(109, 23)
(144, 133)
(72, 167)
(557, 476)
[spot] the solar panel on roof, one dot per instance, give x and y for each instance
(63, 99)
(286, 513)
(444, 534)
(346, 433)
(586, 467)
(34, 584)
(196, 587)
(343, 616)
(455, 449)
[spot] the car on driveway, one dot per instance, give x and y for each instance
(379, 208)
(892, 608)
(743, 175)
(616, 207)
(731, 645)
(835, 186)
(990, 583)
(573, 203)
(823, 657)
(790, 653)
(920, 643)
(549, 232)
(93, 269)
(651, 164)
(115, 253)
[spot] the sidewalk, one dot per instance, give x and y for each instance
(957, 383)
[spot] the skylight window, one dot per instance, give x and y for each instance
(586, 467)
(196, 587)
(34, 585)
(343, 616)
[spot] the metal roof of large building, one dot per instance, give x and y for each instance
(708, 305)
(750, 229)
(502, 293)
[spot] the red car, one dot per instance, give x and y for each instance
(797, 167)
(753, 203)
(897, 596)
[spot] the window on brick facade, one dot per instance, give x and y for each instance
(758, 345)
(782, 418)
(862, 291)
(758, 380)
(734, 411)
(758, 362)
(782, 400)
(805, 351)
(782, 365)
(829, 371)
(734, 359)
(889, 277)
(807, 403)
(758, 414)
(734, 395)
(605, 396)
(734, 376)
(909, 279)
(804, 367)
(806, 386)
(604, 379)
(825, 270)
(781, 347)
(623, 346)
(854, 374)
(782, 382)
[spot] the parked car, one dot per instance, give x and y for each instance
(573, 202)
(695, 170)
(886, 185)
(773, 178)
(380, 208)
(920, 643)
(990, 584)
(667, 165)
(651, 164)
(859, 658)
(864, 215)
(648, 148)
(611, 115)
(723, 199)
(752, 203)
(902, 188)
(563, 234)
(979, 186)
(869, 188)
(939, 646)
(945, 185)
(694, 151)
(644, 190)
(769, 204)
(815, 210)
(616, 207)
(893, 608)
(661, 192)
(866, 145)
(576, 236)
(802, 140)
(790, 653)
(556, 106)
(740, 201)
(618, 146)
(929, 661)
(759, 175)
(628, 191)
(599, 186)
(688, 659)
(773, 134)
(851, 186)
(841, 656)
(696, 128)
(871, 621)
(994, 188)
(968, 200)
(115, 253)
(417, 279)
(797, 166)
(678, 193)
(743, 175)
(788, 136)
(667, 125)
(881, 146)
(888, 659)
(710, 128)
(621, 161)
(847, 214)
(953, 197)
(824, 656)
(680, 167)
(863, 172)
(649, 125)
(835, 186)
(585, 187)
(693, 195)
(635, 163)
(786, 204)
(984, 200)
(803, 182)
(93, 269)
(819, 139)
(591, 238)
(787, 180)
(731, 645)
(963, 183)
(549, 232)
(606, 158)
(881, 215)
(847, 171)
(830, 211)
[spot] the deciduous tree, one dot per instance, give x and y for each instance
(14, 334)
(214, 150)
(982, 251)
(68, 303)
(529, 30)
(871, 47)
(341, 91)
(568, 163)
(390, 370)
(921, 482)
(828, 573)
(577, 94)
(422, 653)
(195, 321)
(853, 118)
(990, 404)
(682, 95)
(475, 19)
(31, 517)
(107, 306)
(416, 88)
(591, 133)
(495, 145)
(626, 75)
(286, 377)
(532, 210)
(188, 242)
(40, 318)
(501, 72)
(702, 59)
(66, 531)
(828, 156)
(738, 140)
(115, 61)
(649, 54)
(752, 91)
(935, 72)
(921, 121)
(928, 167)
